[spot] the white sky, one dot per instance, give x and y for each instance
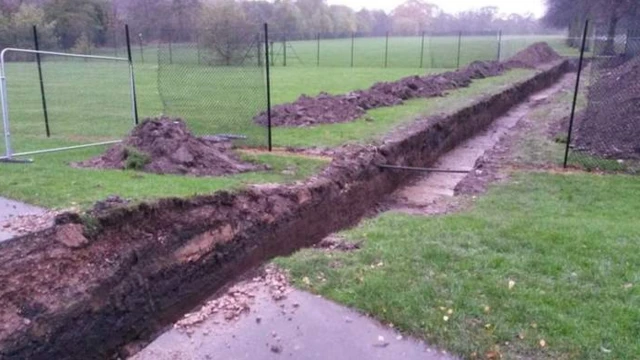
(536, 7)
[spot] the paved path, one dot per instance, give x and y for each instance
(302, 326)
(10, 208)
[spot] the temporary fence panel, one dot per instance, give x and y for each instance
(89, 101)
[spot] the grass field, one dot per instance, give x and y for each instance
(90, 101)
(567, 242)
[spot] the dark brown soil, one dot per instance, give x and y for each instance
(533, 56)
(610, 126)
(165, 146)
(328, 109)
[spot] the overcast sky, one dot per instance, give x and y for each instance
(536, 7)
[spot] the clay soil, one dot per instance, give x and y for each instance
(533, 56)
(329, 109)
(610, 127)
(166, 146)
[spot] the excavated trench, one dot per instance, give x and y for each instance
(86, 286)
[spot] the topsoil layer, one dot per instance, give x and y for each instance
(533, 56)
(165, 146)
(610, 127)
(328, 109)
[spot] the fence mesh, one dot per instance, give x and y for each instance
(607, 131)
(215, 81)
(88, 100)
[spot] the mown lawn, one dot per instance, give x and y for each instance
(544, 267)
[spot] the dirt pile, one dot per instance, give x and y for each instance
(165, 146)
(328, 109)
(533, 56)
(610, 126)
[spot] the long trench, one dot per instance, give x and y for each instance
(86, 286)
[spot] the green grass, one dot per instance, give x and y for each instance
(568, 242)
(383, 120)
(50, 182)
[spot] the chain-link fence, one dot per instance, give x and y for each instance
(428, 50)
(215, 81)
(607, 132)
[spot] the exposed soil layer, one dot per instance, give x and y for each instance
(88, 285)
(533, 56)
(166, 146)
(610, 126)
(328, 109)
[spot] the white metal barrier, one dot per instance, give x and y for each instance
(9, 154)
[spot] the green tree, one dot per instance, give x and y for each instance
(226, 32)
(72, 18)
(413, 16)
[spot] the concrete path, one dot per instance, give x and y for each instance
(11, 208)
(302, 326)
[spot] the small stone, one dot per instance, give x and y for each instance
(258, 320)
(276, 348)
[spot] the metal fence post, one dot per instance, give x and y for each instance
(170, 47)
(459, 46)
(422, 51)
(42, 94)
(258, 48)
(284, 50)
(353, 39)
(386, 50)
(575, 93)
(134, 98)
(268, 75)
(270, 50)
(499, 44)
(141, 47)
(318, 52)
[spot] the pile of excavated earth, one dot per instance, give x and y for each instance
(610, 127)
(327, 109)
(165, 146)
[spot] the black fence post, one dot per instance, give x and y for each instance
(258, 48)
(141, 47)
(268, 75)
(459, 46)
(575, 93)
(170, 47)
(198, 50)
(431, 56)
(353, 39)
(499, 44)
(386, 50)
(44, 98)
(134, 97)
(318, 52)
(422, 51)
(270, 50)
(284, 50)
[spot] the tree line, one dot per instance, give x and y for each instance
(83, 24)
(613, 16)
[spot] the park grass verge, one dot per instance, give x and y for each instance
(542, 267)
(50, 182)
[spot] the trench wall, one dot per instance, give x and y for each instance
(128, 272)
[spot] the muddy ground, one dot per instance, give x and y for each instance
(94, 283)
(610, 125)
(329, 109)
(165, 146)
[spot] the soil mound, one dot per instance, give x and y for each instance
(611, 124)
(328, 109)
(533, 56)
(165, 146)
